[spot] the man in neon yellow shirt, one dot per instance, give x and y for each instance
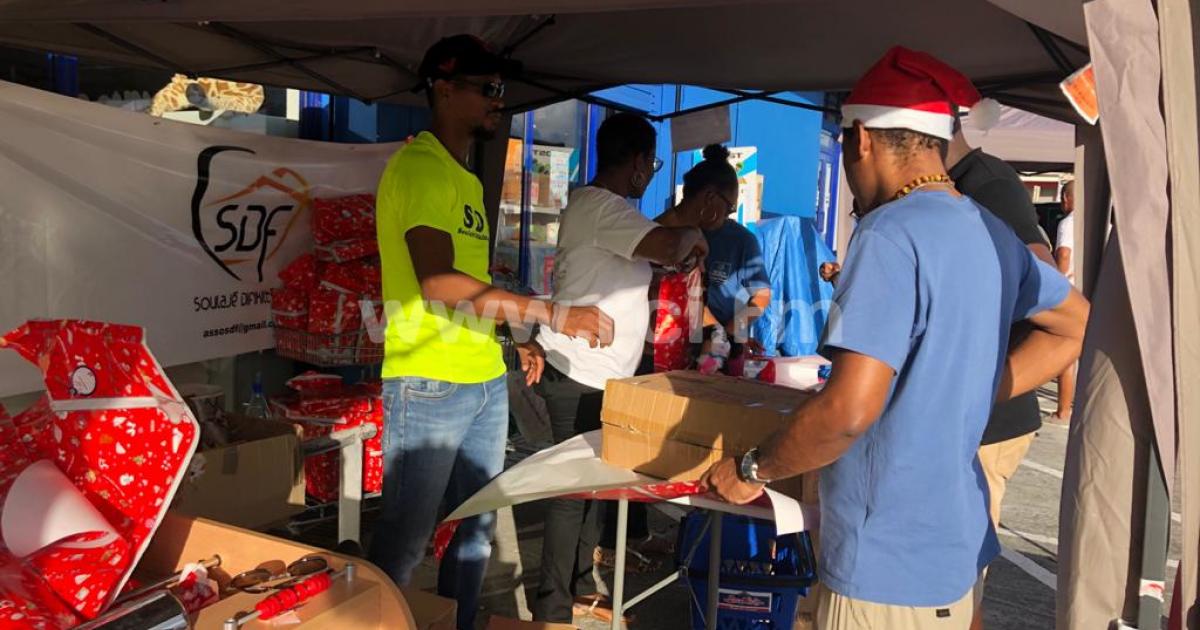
(444, 393)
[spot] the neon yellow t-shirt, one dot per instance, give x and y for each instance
(423, 185)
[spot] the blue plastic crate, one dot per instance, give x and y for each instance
(762, 575)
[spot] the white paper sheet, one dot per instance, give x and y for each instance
(43, 507)
(574, 467)
(700, 129)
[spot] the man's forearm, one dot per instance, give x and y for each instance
(1063, 260)
(462, 292)
(754, 309)
(688, 240)
(1036, 360)
(812, 439)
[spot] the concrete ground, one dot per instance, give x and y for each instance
(1020, 591)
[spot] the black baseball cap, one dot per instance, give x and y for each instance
(460, 55)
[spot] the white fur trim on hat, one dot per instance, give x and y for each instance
(885, 117)
(984, 114)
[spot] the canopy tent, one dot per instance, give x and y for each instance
(1138, 353)
(369, 48)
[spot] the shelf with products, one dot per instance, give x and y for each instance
(548, 155)
(537, 211)
(541, 263)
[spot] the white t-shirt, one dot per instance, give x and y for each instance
(594, 266)
(1066, 238)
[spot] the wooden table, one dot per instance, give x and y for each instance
(370, 601)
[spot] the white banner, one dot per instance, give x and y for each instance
(116, 216)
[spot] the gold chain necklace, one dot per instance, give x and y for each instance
(923, 180)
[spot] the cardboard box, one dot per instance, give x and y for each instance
(677, 424)
(254, 482)
(430, 611)
(504, 623)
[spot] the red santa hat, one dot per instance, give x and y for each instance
(907, 89)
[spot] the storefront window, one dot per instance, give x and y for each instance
(538, 178)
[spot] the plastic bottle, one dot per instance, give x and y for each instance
(256, 407)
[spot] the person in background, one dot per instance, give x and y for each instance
(1065, 260)
(605, 248)
(737, 289)
(918, 337)
(1013, 425)
(444, 392)
(737, 293)
(996, 186)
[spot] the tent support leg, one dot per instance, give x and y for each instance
(1154, 546)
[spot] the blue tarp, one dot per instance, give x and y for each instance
(793, 251)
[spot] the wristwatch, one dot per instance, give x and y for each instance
(748, 467)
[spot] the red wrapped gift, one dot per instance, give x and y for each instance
(302, 274)
(320, 414)
(314, 383)
(678, 313)
(289, 308)
(107, 446)
(343, 218)
(359, 277)
(346, 251)
(333, 312)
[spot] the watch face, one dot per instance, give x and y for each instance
(748, 466)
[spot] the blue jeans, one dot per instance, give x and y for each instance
(442, 443)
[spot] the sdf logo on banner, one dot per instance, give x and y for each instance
(243, 230)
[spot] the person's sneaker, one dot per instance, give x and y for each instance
(599, 607)
(635, 562)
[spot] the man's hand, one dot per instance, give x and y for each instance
(584, 322)
(723, 481)
(533, 361)
(829, 271)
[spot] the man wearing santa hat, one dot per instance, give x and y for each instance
(918, 336)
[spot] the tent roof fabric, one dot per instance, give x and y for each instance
(1029, 140)
(369, 48)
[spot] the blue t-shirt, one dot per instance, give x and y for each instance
(931, 286)
(735, 270)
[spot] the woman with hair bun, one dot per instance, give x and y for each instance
(737, 289)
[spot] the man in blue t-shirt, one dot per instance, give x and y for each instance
(918, 336)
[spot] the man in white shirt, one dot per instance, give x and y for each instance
(605, 247)
(1064, 258)
(1065, 243)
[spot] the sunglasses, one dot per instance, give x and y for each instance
(489, 89)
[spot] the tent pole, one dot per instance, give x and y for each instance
(134, 48)
(580, 95)
(512, 48)
(1154, 546)
(1052, 49)
(239, 36)
(779, 101)
(212, 72)
(728, 101)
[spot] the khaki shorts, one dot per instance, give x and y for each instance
(837, 612)
(1000, 462)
